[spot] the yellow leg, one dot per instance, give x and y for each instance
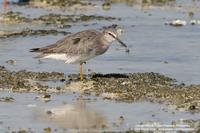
(81, 71)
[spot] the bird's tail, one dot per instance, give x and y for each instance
(35, 50)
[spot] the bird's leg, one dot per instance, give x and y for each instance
(5, 4)
(81, 71)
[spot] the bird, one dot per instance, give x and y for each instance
(79, 47)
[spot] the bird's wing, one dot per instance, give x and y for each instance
(78, 43)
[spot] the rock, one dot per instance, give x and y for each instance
(177, 23)
(29, 32)
(195, 22)
(47, 130)
(7, 99)
(59, 20)
(11, 62)
(129, 87)
(70, 5)
(106, 6)
(44, 97)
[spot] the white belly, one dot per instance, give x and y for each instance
(70, 59)
(56, 56)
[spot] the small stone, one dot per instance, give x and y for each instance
(191, 14)
(11, 62)
(58, 88)
(165, 62)
(7, 99)
(62, 80)
(114, 124)
(47, 130)
(49, 112)
(103, 126)
(177, 23)
(89, 70)
(22, 131)
(46, 96)
(195, 22)
(106, 6)
(192, 107)
(120, 120)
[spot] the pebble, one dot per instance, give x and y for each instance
(176, 23)
(195, 22)
(7, 99)
(47, 130)
(106, 6)
(11, 62)
(44, 97)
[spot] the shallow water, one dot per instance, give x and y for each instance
(28, 112)
(151, 42)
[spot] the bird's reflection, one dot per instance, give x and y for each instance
(68, 116)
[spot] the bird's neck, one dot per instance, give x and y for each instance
(102, 46)
(106, 41)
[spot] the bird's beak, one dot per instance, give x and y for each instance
(122, 43)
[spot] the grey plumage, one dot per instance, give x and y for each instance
(80, 43)
(81, 46)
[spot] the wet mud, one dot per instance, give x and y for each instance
(30, 32)
(152, 87)
(19, 18)
(58, 20)
(23, 81)
(133, 87)
(69, 5)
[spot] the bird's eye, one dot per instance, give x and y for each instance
(109, 33)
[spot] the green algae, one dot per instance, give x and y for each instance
(154, 2)
(133, 2)
(131, 87)
(17, 17)
(60, 3)
(31, 32)
(7, 99)
(58, 20)
(22, 80)
(62, 19)
(50, 19)
(13, 17)
(106, 6)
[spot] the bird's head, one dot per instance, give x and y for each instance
(112, 33)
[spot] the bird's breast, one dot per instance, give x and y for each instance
(102, 49)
